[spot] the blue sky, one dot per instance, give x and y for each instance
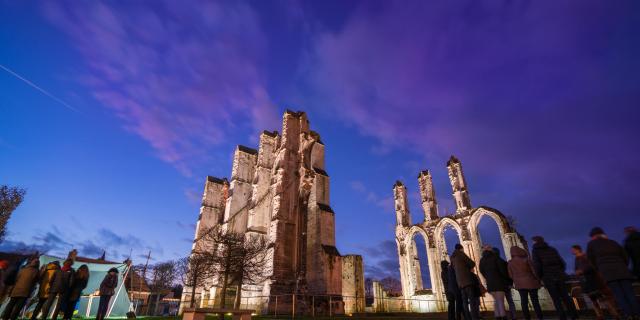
(538, 99)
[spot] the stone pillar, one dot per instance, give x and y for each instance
(353, 284)
(428, 196)
(237, 209)
(283, 228)
(403, 218)
(213, 204)
(459, 185)
(259, 212)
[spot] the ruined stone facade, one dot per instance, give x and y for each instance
(465, 221)
(281, 192)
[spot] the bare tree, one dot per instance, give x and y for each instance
(10, 199)
(194, 271)
(237, 260)
(392, 285)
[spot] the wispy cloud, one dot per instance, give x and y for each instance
(180, 77)
(371, 197)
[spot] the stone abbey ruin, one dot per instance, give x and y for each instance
(464, 221)
(281, 192)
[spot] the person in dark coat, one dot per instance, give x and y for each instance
(467, 281)
(507, 294)
(63, 293)
(78, 283)
(461, 311)
(451, 299)
(550, 267)
(632, 245)
(525, 280)
(497, 278)
(107, 289)
(50, 286)
(25, 282)
(610, 259)
(593, 284)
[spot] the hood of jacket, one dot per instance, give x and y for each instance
(487, 253)
(540, 245)
(518, 252)
(52, 266)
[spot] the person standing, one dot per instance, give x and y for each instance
(497, 277)
(593, 284)
(461, 311)
(610, 259)
(467, 281)
(50, 285)
(25, 282)
(107, 289)
(507, 294)
(525, 280)
(78, 283)
(632, 245)
(63, 292)
(550, 266)
(451, 299)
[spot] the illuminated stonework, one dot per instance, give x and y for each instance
(465, 221)
(281, 192)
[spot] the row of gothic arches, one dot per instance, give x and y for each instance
(470, 229)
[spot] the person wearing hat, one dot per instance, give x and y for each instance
(550, 267)
(611, 260)
(107, 289)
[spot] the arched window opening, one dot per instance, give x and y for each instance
(451, 238)
(420, 262)
(489, 234)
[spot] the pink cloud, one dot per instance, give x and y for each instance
(179, 77)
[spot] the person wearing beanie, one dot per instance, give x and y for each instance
(611, 260)
(550, 267)
(632, 245)
(497, 278)
(107, 289)
(467, 282)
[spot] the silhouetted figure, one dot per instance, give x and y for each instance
(449, 294)
(50, 286)
(25, 282)
(525, 280)
(461, 311)
(610, 259)
(593, 284)
(468, 281)
(497, 277)
(107, 289)
(507, 294)
(632, 245)
(63, 293)
(78, 283)
(550, 267)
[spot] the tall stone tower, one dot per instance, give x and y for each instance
(281, 192)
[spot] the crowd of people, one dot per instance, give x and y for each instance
(603, 271)
(49, 286)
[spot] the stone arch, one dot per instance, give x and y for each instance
(414, 269)
(508, 235)
(440, 251)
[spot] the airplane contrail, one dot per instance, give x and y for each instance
(33, 85)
